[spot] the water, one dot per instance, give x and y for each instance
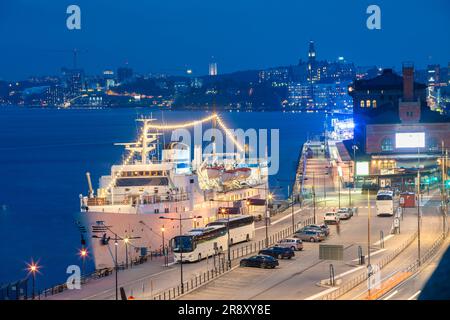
(45, 153)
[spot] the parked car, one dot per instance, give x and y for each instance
(259, 261)
(331, 217)
(344, 213)
(278, 252)
(310, 235)
(322, 227)
(293, 243)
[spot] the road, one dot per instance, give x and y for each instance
(431, 229)
(301, 277)
(412, 287)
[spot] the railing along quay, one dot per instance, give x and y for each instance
(351, 284)
(236, 253)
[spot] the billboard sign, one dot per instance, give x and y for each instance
(362, 168)
(410, 140)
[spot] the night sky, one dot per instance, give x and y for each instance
(170, 35)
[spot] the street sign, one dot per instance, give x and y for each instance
(331, 252)
(396, 222)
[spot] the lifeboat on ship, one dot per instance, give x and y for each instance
(237, 174)
(214, 172)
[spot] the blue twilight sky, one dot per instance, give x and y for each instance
(168, 35)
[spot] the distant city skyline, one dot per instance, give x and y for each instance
(176, 36)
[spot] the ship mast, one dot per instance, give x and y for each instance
(147, 143)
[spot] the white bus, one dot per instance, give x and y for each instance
(200, 243)
(242, 227)
(386, 203)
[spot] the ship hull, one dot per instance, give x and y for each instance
(144, 232)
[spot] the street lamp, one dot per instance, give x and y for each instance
(126, 240)
(418, 214)
(223, 211)
(33, 268)
(180, 219)
(163, 245)
(354, 147)
(349, 188)
(369, 266)
(117, 238)
(116, 244)
(83, 254)
(313, 193)
(269, 199)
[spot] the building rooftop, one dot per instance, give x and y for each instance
(388, 80)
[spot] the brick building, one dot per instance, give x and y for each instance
(395, 131)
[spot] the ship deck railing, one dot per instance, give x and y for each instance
(134, 200)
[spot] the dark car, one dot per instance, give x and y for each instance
(278, 252)
(260, 261)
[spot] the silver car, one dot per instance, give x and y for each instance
(293, 243)
(344, 214)
(310, 235)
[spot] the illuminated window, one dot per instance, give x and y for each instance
(368, 103)
(374, 103)
(387, 145)
(361, 104)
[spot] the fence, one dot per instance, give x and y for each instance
(236, 253)
(411, 268)
(96, 275)
(354, 282)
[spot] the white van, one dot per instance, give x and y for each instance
(331, 217)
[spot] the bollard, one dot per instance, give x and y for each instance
(381, 239)
(332, 282)
(360, 256)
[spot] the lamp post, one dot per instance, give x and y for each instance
(354, 147)
(324, 191)
(33, 268)
(83, 255)
(126, 240)
(180, 219)
(269, 199)
(116, 239)
(116, 244)
(292, 202)
(292, 211)
(163, 245)
(368, 227)
(418, 216)
(339, 192)
(228, 235)
(314, 196)
(349, 188)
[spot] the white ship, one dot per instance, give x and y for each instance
(126, 212)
